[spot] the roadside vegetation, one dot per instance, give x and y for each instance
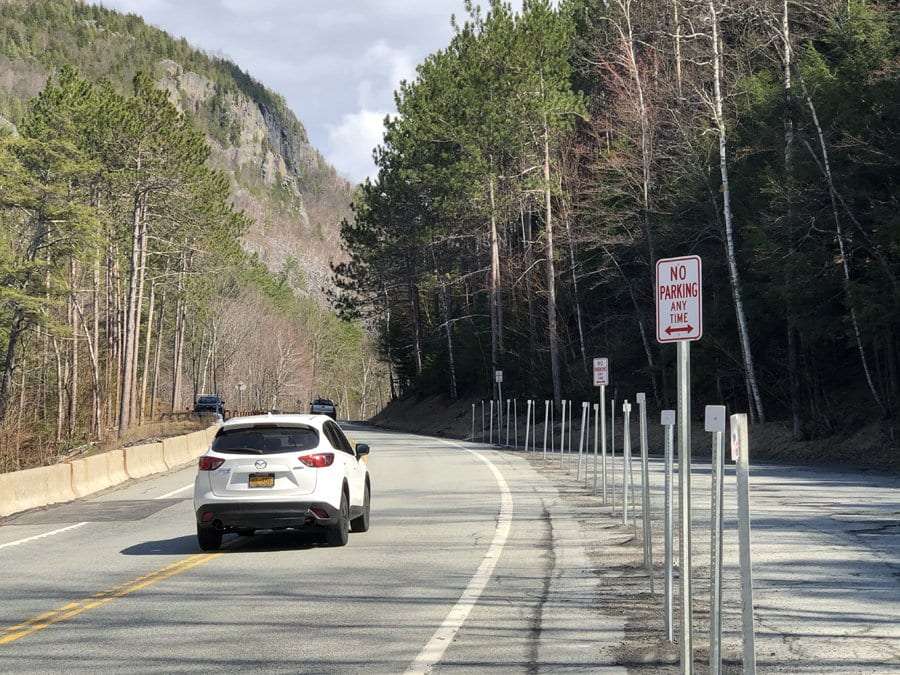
(544, 161)
(124, 289)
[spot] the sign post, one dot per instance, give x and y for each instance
(546, 417)
(612, 449)
(715, 424)
(679, 319)
(601, 379)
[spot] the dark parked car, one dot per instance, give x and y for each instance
(323, 406)
(210, 404)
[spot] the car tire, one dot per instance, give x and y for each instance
(339, 533)
(361, 522)
(209, 538)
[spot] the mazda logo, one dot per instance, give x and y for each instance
(260, 464)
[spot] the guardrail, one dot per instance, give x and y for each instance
(45, 485)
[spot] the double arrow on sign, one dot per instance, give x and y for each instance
(680, 329)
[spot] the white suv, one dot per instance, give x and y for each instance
(282, 472)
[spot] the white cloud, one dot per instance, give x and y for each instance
(351, 143)
(336, 62)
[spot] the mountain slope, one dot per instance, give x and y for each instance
(295, 198)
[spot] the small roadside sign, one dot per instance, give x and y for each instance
(498, 376)
(601, 372)
(679, 299)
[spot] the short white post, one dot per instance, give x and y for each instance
(527, 422)
(596, 442)
(482, 420)
(507, 422)
(646, 522)
(580, 442)
(546, 415)
(667, 419)
(612, 452)
(715, 424)
(516, 422)
(472, 436)
(626, 458)
(562, 436)
(740, 452)
(491, 427)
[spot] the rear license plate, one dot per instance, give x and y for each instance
(262, 480)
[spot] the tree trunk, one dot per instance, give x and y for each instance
(131, 312)
(17, 327)
(734, 277)
(75, 327)
(157, 359)
(553, 336)
(496, 348)
(147, 344)
(788, 186)
(845, 261)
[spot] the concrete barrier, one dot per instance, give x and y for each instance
(144, 460)
(32, 488)
(176, 450)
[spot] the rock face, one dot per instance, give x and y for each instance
(294, 197)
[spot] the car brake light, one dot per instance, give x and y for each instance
(210, 463)
(319, 460)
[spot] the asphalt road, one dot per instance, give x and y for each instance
(470, 564)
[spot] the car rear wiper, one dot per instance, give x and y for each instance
(253, 451)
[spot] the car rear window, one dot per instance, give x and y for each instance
(265, 440)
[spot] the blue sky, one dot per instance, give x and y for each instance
(337, 62)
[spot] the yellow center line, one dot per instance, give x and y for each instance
(73, 609)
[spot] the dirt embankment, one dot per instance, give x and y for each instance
(866, 448)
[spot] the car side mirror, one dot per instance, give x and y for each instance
(362, 449)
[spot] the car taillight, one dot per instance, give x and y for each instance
(318, 461)
(210, 463)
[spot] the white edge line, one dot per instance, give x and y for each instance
(434, 650)
(68, 528)
(41, 536)
(175, 492)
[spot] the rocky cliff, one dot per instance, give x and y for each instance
(295, 198)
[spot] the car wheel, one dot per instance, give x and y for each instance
(339, 533)
(209, 538)
(361, 522)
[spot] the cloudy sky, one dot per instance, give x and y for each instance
(337, 62)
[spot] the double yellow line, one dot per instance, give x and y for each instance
(73, 609)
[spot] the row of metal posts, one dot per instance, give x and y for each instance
(714, 424)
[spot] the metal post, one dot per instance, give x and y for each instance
(626, 458)
(499, 410)
(684, 478)
(546, 415)
(491, 427)
(580, 442)
(603, 438)
(668, 422)
(527, 420)
(715, 424)
(508, 402)
(562, 435)
(552, 424)
(472, 437)
(516, 422)
(596, 442)
(740, 452)
(533, 425)
(646, 521)
(569, 444)
(482, 420)
(612, 450)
